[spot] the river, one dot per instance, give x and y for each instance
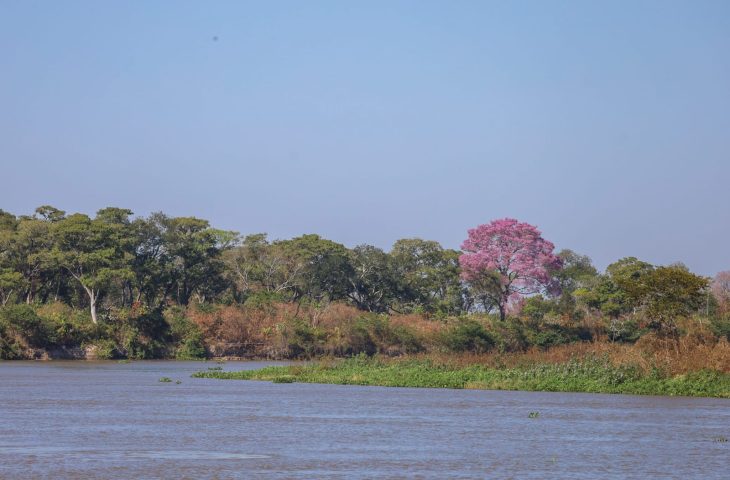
(89, 420)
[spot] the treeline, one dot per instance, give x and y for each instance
(175, 286)
(113, 260)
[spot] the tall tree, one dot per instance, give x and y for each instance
(427, 276)
(576, 273)
(671, 292)
(92, 252)
(325, 267)
(27, 252)
(194, 258)
(511, 258)
(11, 281)
(258, 266)
(151, 264)
(373, 283)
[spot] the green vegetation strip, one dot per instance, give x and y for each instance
(586, 375)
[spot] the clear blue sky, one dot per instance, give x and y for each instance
(607, 124)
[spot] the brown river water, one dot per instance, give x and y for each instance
(107, 420)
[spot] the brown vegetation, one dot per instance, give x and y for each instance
(278, 330)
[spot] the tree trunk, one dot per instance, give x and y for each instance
(502, 311)
(504, 303)
(92, 307)
(92, 302)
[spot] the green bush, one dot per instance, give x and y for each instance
(371, 334)
(625, 331)
(184, 335)
(24, 322)
(106, 349)
(510, 335)
(10, 349)
(302, 340)
(720, 326)
(552, 334)
(191, 348)
(367, 334)
(550, 338)
(75, 330)
(179, 325)
(468, 335)
(407, 340)
(262, 300)
(138, 346)
(536, 308)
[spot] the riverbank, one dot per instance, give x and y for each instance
(588, 374)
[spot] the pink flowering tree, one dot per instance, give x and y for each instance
(505, 260)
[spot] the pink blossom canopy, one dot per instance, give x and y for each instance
(515, 251)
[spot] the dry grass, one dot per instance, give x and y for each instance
(673, 357)
(261, 331)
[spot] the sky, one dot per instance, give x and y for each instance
(606, 124)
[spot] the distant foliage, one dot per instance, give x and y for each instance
(119, 286)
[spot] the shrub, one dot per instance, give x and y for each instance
(191, 347)
(178, 323)
(625, 331)
(302, 340)
(106, 349)
(468, 336)
(139, 346)
(407, 339)
(510, 335)
(720, 326)
(537, 307)
(553, 334)
(72, 327)
(371, 334)
(368, 334)
(10, 349)
(262, 300)
(25, 323)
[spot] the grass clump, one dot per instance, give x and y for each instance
(283, 379)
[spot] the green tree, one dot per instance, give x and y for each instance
(324, 267)
(373, 283)
(11, 282)
(619, 290)
(8, 221)
(193, 258)
(92, 252)
(151, 263)
(26, 251)
(577, 273)
(668, 293)
(427, 276)
(257, 266)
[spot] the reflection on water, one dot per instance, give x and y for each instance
(105, 419)
(191, 455)
(152, 454)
